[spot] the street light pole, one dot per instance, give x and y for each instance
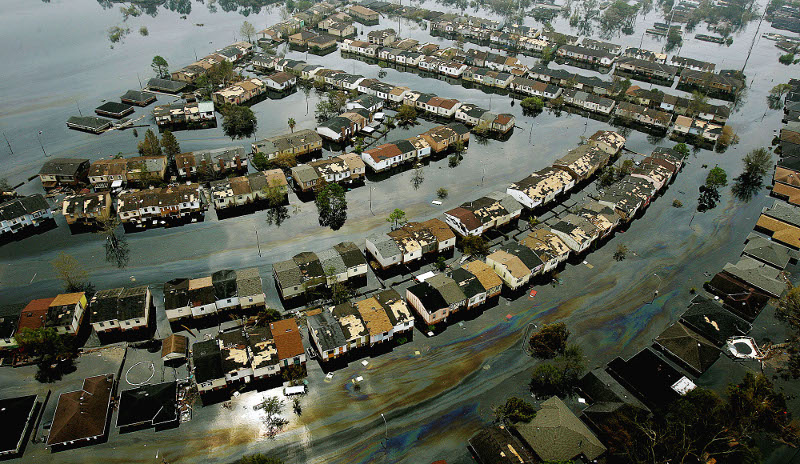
(258, 244)
(39, 136)
(655, 293)
(385, 428)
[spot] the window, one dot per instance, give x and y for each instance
(102, 324)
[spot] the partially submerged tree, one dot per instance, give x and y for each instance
(248, 31)
(169, 143)
(71, 274)
(407, 114)
(238, 121)
(514, 410)
(621, 253)
(332, 206)
(560, 375)
(397, 218)
(549, 341)
(160, 67)
(149, 146)
(756, 165)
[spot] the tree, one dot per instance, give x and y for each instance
(418, 177)
(775, 97)
(169, 143)
(716, 178)
(674, 38)
(116, 246)
(532, 104)
(71, 273)
(787, 58)
(515, 410)
(559, 376)
(682, 149)
(549, 341)
(727, 137)
(160, 67)
(441, 263)
(248, 31)
(475, 245)
(398, 217)
(259, 459)
(239, 121)
(756, 165)
(292, 123)
(788, 311)
(442, 193)
(274, 422)
(407, 114)
(332, 206)
(149, 146)
(4, 185)
(621, 253)
(698, 103)
(51, 348)
(143, 31)
(331, 106)
(267, 315)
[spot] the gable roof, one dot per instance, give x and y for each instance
(287, 337)
(769, 252)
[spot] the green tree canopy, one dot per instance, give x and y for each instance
(169, 143)
(160, 67)
(515, 410)
(475, 245)
(239, 121)
(549, 341)
(149, 146)
(398, 217)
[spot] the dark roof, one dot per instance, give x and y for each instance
(712, 321)
(207, 361)
(15, 414)
(104, 305)
(351, 254)
(327, 331)
(149, 404)
(648, 377)
(114, 108)
(469, 284)
(688, 348)
(132, 303)
(82, 414)
(525, 254)
(599, 387)
(63, 166)
(430, 298)
(165, 84)
(91, 122)
(497, 445)
(224, 283)
(138, 96)
(176, 293)
(738, 296)
(9, 319)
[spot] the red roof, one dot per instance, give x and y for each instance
(34, 315)
(503, 119)
(448, 104)
(383, 152)
(467, 217)
(288, 341)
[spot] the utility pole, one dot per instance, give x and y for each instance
(258, 243)
(79, 107)
(140, 81)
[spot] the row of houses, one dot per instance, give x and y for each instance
(243, 355)
(392, 154)
(342, 169)
(308, 272)
(24, 214)
(347, 124)
(232, 53)
(245, 91)
(185, 115)
(223, 290)
(350, 328)
(236, 192)
(543, 186)
(155, 207)
(410, 243)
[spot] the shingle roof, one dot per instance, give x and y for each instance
(712, 321)
(557, 434)
(326, 329)
(692, 349)
(758, 275)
